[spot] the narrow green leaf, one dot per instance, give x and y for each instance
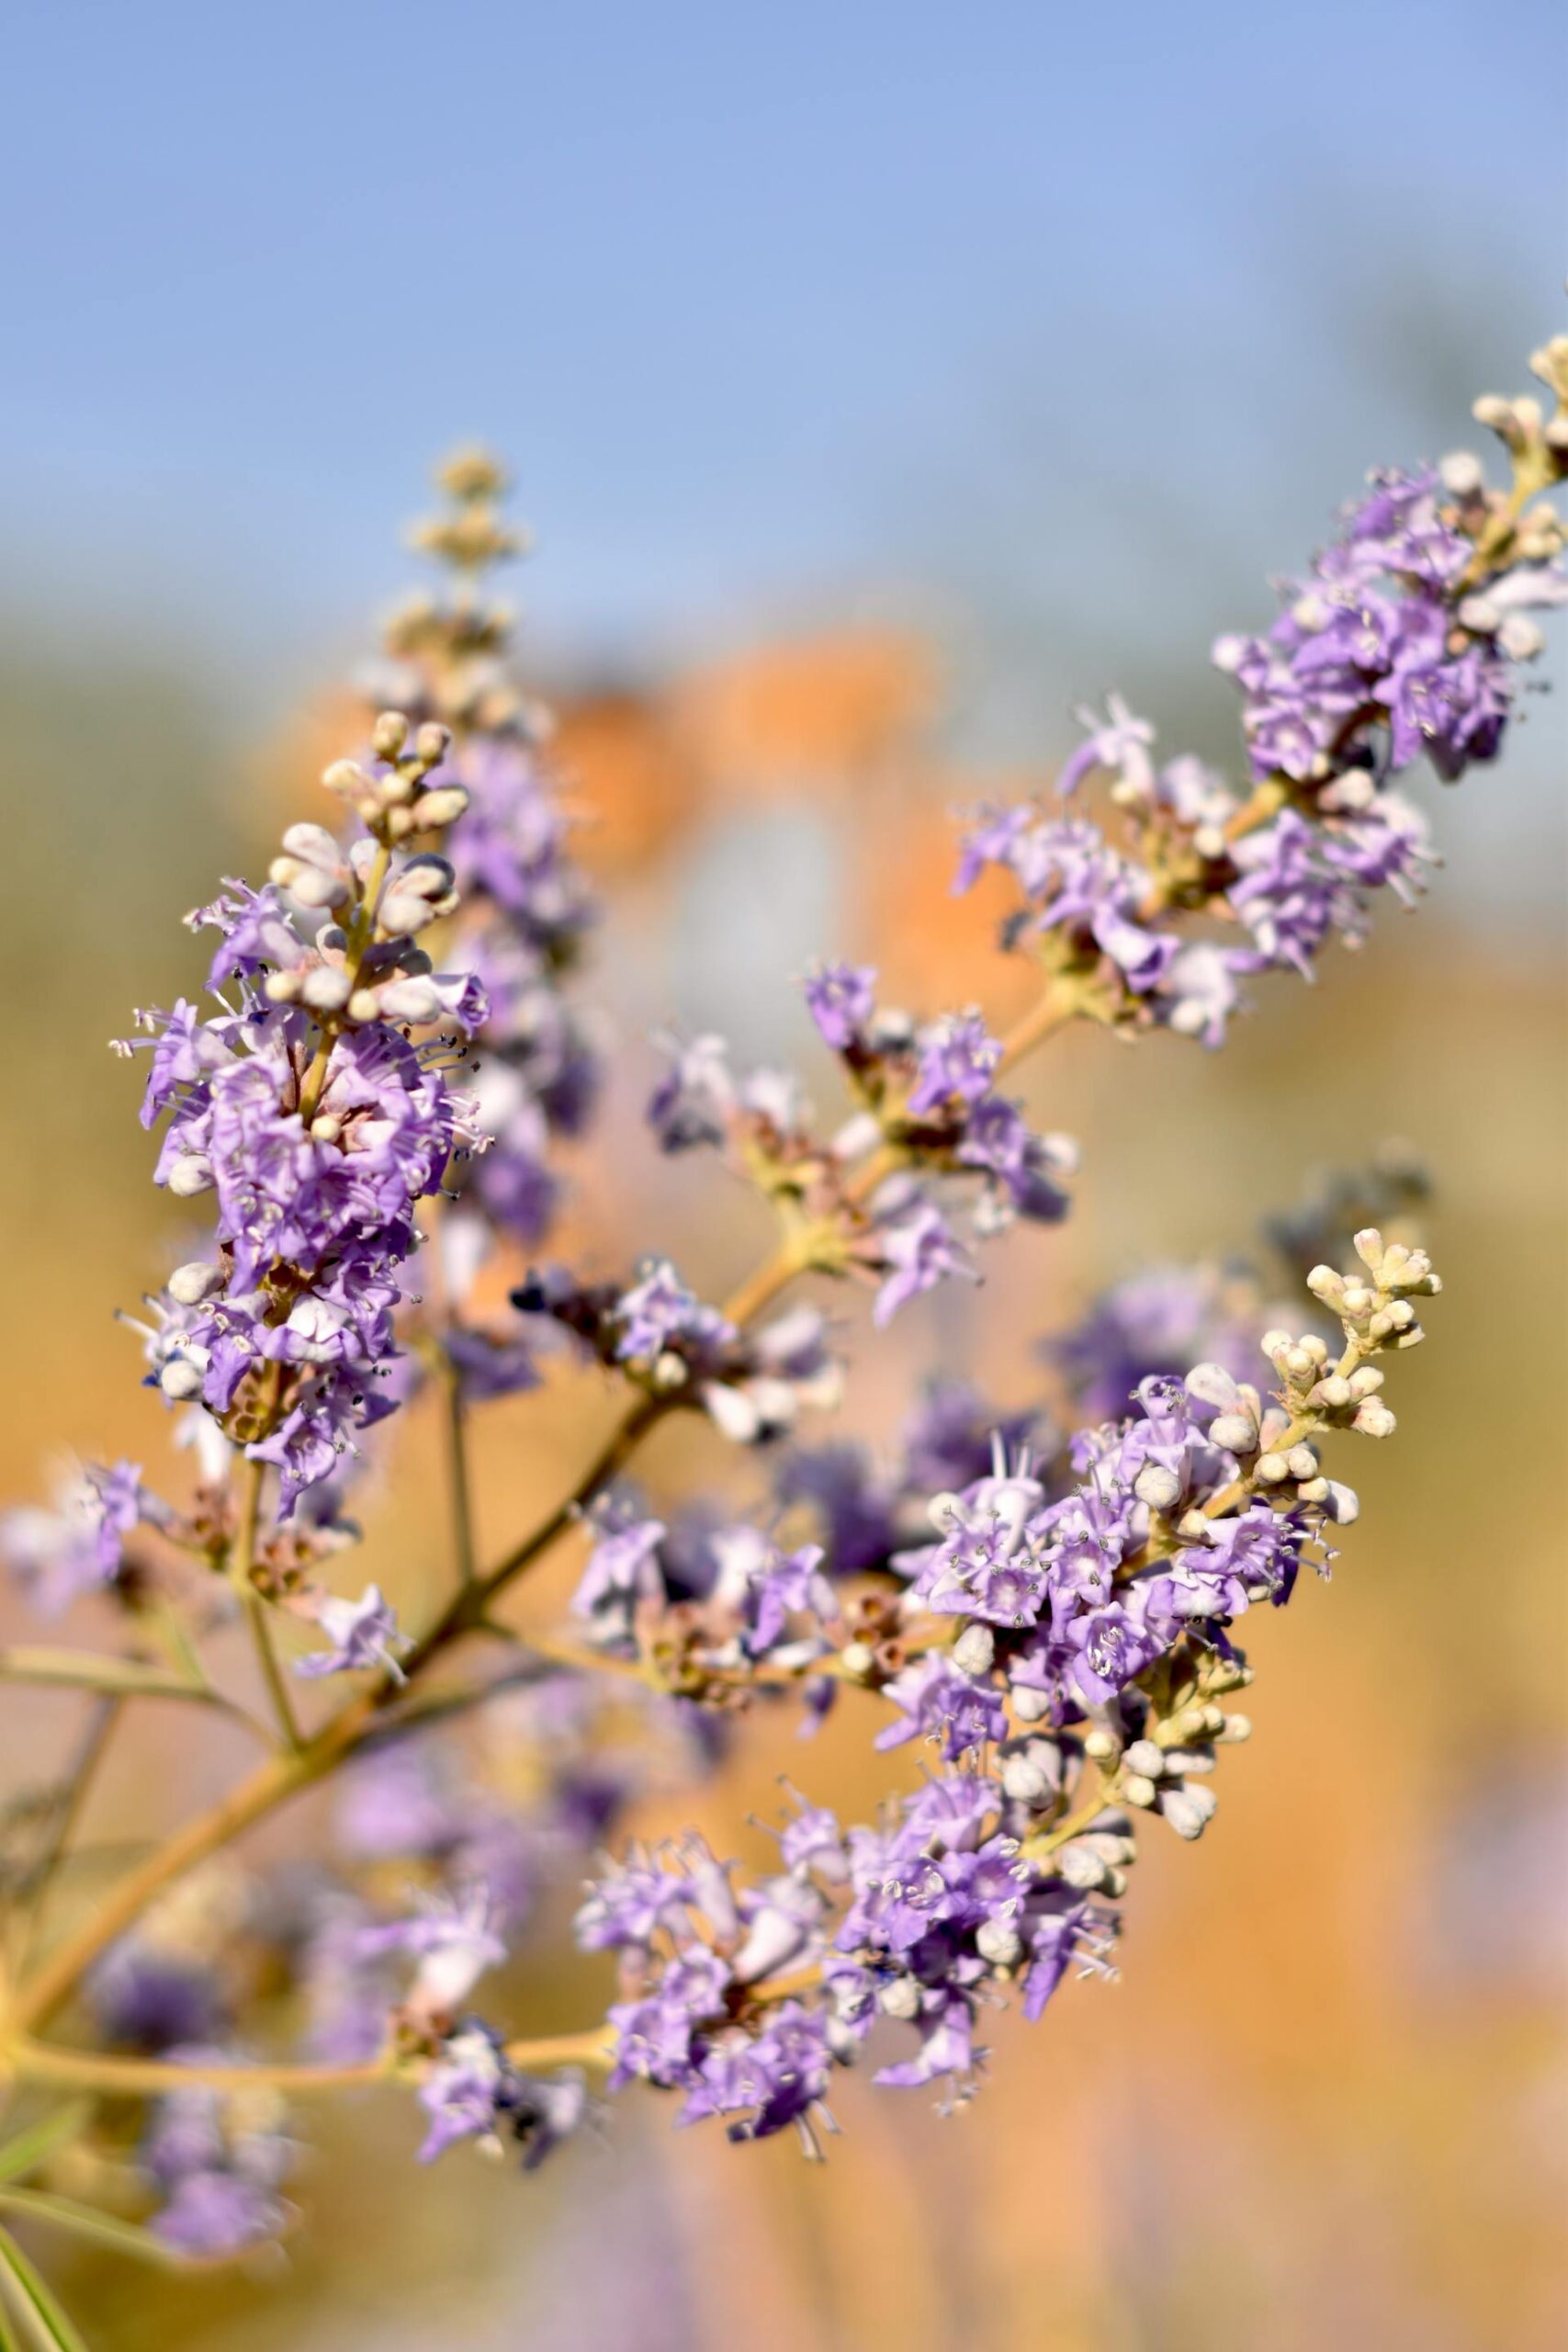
(54, 2331)
(88, 2222)
(86, 1670)
(33, 2147)
(9, 2340)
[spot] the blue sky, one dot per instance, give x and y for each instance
(1036, 306)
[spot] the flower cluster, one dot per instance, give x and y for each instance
(1405, 638)
(1066, 1655)
(1044, 1603)
(526, 909)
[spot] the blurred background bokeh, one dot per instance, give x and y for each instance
(882, 381)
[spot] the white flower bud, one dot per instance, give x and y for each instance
(325, 988)
(1324, 1283)
(326, 1129)
(1333, 1394)
(363, 1005)
(1147, 1758)
(1138, 1789)
(1156, 1485)
(415, 999)
(405, 910)
(311, 887)
(282, 988)
(1189, 1811)
(190, 1283)
(1234, 1432)
(431, 742)
(1274, 1343)
(998, 1941)
(975, 1649)
(1030, 1706)
(388, 735)
(190, 1175)
(1234, 1729)
(1211, 1384)
(1302, 1462)
(1461, 473)
(857, 1661)
(1026, 1781)
(900, 1998)
(441, 807)
(1520, 638)
(1374, 1419)
(349, 778)
(1099, 1745)
(1081, 1867)
(1271, 1468)
(181, 1380)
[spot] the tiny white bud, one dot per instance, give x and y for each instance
(1333, 1394)
(415, 999)
(363, 1006)
(181, 1379)
(1234, 1432)
(282, 988)
(1324, 1283)
(1145, 1758)
(900, 1998)
(1374, 1419)
(1081, 1867)
(975, 1649)
(1138, 1789)
(1156, 1485)
(405, 910)
(440, 807)
(856, 1661)
(1303, 1461)
(1099, 1745)
(325, 990)
(326, 1129)
(1189, 1811)
(998, 1941)
(1030, 1706)
(1271, 1468)
(1026, 1781)
(1461, 473)
(190, 1175)
(431, 742)
(311, 887)
(190, 1283)
(348, 777)
(388, 735)
(1234, 1729)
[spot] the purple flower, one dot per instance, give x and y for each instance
(473, 2090)
(787, 1585)
(770, 2080)
(694, 1101)
(916, 1251)
(454, 1943)
(218, 2165)
(364, 1635)
(958, 1057)
(1121, 746)
(839, 999)
(939, 1702)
